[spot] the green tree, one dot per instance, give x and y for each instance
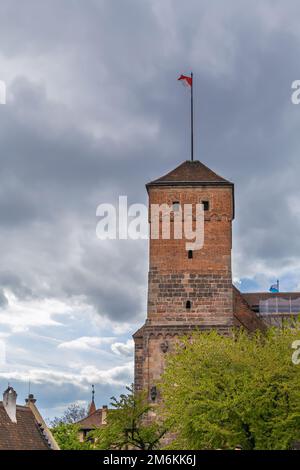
(221, 391)
(130, 424)
(67, 438)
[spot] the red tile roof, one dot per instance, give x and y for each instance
(25, 434)
(94, 420)
(92, 408)
(244, 315)
(192, 172)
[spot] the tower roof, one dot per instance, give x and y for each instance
(190, 173)
(92, 406)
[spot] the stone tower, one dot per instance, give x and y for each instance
(186, 289)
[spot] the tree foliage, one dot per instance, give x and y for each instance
(129, 424)
(67, 437)
(66, 432)
(223, 391)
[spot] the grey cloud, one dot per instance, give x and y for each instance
(118, 64)
(123, 349)
(3, 300)
(94, 110)
(13, 282)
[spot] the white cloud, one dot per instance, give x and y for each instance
(123, 349)
(20, 315)
(117, 376)
(23, 314)
(85, 343)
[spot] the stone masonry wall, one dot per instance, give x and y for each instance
(205, 280)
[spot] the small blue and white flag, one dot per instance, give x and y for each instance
(274, 287)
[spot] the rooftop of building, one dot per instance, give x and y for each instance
(22, 427)
(25, 434)
(96, 419)
(192, 173)
(253, 299)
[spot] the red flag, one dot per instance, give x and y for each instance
(186, 81)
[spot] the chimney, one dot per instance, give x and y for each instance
(10, 403)
(104, 414)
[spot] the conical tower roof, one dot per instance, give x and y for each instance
(92, 406)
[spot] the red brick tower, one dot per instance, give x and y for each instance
(186, 289)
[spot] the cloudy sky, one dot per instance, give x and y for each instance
(94, 111)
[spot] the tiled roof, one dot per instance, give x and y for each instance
(192, 172)
(92, 408)
(25, 434)
(94, 420)
(244, 315)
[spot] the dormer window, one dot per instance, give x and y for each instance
(205, 205)
(176, 206)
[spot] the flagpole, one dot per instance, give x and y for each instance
(192, 120)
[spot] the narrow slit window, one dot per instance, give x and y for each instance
(188, 304)
(176, 206)
(205, 205)
(190, 254)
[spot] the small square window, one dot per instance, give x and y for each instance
(176, 206)
(205, 205)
